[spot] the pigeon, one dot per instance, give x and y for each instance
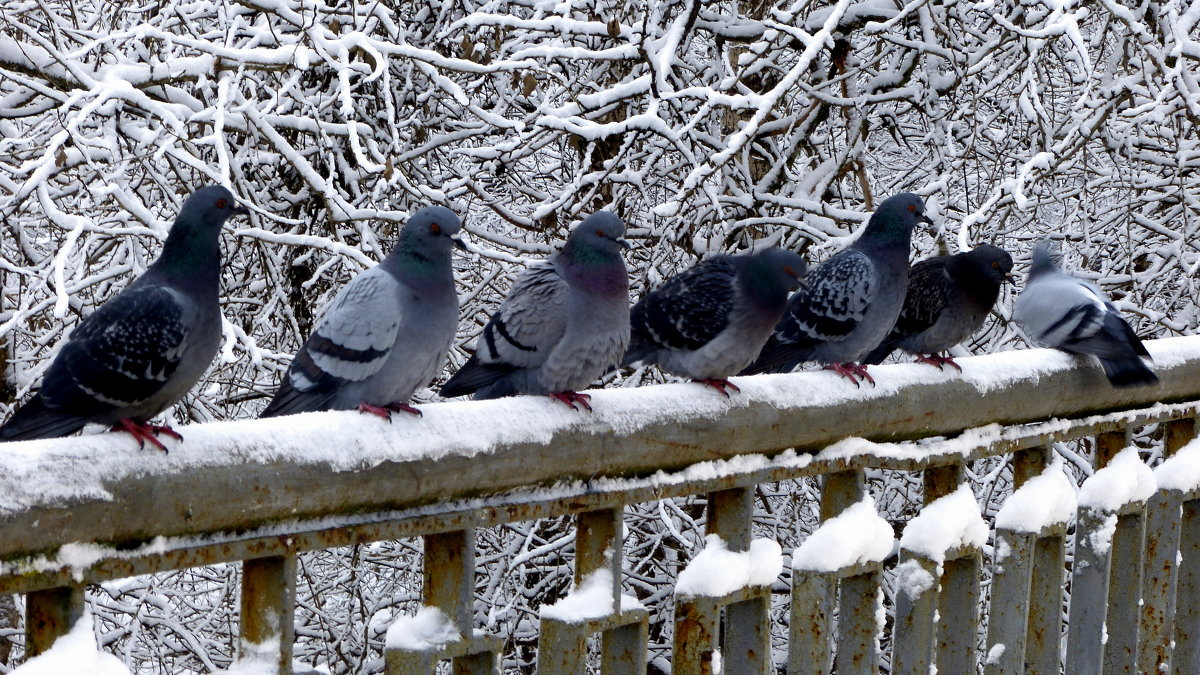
(1057, 310)
(947, 300)
(143, 349)
(711, 321)
(386, 334)
(564, 323)
(847, 305)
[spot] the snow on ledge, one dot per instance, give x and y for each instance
(1044, 500)
(856, 535)
(717, 571)
(945, 524)
(429, 629)
(1125, 480)
(1180, 471)
(75, 653)
(593, 599)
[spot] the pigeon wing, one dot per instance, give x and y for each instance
(832, 301)
(689, 310)
(121, 355)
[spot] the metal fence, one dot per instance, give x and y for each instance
(274, 488)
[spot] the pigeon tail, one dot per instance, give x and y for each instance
(292, 401)
(474, 376)
(1128, 372)
(34, 420)
(777, 357)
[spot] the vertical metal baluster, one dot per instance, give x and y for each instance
(49, 614)
(269, 605)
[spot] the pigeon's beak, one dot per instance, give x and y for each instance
(460, 243)
(1010, 279)
(623, 242)
(926, 219)
(240, 211)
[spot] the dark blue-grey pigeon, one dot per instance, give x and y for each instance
(387, 332)
(712, 320)
(143, 349)
(564, 323)
(1060, 311)
(948, 298)
(846, 305)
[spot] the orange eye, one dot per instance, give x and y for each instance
(995, 265)
(599, 233)
(435, 228)
(221, 203)
(912, 207)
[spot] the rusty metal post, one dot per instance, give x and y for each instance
(746, 643)
(841, 490)
(1163, 514)
(858, 630)
(958, 614)
(449, 585)
(1185, 659)
(1108, 444)
(810, 628)
(1030, 462)
(917, 581)
(1044, 635)
(269, 606)
(1008, 611)
(49, 614)
(1124, 594)
(625, 649)
(940, 481)
(695, 636)
(1089, 593)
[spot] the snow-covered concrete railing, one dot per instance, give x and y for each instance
(83, 510)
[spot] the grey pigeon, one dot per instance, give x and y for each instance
(564, 323)
(711, 321)
(847, 305)
(1057, 310)
(948, 298)
(143, 349)
(386, 333)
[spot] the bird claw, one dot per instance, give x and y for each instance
(852, 372)
(720, 384)
(570, 398)
(385, 411)
(938, 360)
(143, 432)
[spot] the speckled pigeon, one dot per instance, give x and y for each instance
(564, 323)
(143, 349)
(711, 321)
(1057, 310)
(948, 298)
(386, 334)
(847, 305)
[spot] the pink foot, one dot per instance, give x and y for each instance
(720, 384)
(143, 432)
(938, 360)
(386, 411)
(852, 372)
(571, 398)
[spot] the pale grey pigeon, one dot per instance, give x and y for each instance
(846, 306)
(711, 321)
(564, 323)
(386, 334)
(948, 298)
(143, 349)
(1057, 310)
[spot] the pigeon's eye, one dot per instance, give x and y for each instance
(599, 233)
(221, 203)
(995, 265)
(912, 207)
(789, 271)
(435, 228)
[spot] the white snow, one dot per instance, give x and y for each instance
(912, 579)
(856, 535)
(717, 571)
(593, 599)
(75, 654)
(1180, 471)
(1125, 480)
(256, 658)
(428, 629)
(945, 524)
(995, 654)
(1044, 500)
